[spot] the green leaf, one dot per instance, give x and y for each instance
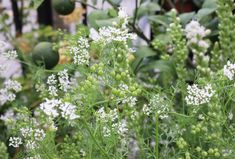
(116, 2)
(186, 17)
(204, 12)
(145, 51)
(142, 52)
(160, 19)
(107, 22)
(148, 8)
(96, 15)
(209, 4)
(165, 69)
(36, 3)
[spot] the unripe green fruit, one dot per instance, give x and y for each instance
(63, 7)
(43, 54)
(204, 153)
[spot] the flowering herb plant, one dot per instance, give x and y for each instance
(103, 104)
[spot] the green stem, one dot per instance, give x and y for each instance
(157, 139)
(94, 139)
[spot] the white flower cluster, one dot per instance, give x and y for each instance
(31, 138)
(15, 141)
(80, 52)
(195, 34)
(54, 107)
(11, 54)
(128, 100)
(63, 82)
(104, 117)
(5, 52)
(114, 33)
(122, 128)
(131, 101)
(109, 34)
(229, 70)
(51, 81)
(111, 117)
(198, 96)
(8, 92)
(157, 104)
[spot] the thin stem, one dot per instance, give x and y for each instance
(94, 139)
(157, 139)
(136, 11)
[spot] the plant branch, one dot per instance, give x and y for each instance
(136, 11)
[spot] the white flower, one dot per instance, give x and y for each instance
(195, 34)
(229, 70)
(15, 141)
(158, 105)
(104, 117)
(52, 91)
(109, 34)
(122, 128)
(194, 30)
(106, 131)
(49, 107)
(12, 85)
(80, 52)
(198, 96)
(230, 115)
(68, 111)
(51, 80)
(64, 81)
(30, 145)
(83, 153)
(39, 134)
(3, 96)
(94, 35)
(146, 110)
(122, 13)
(26, 132)
(131, 101)
(6, 96)
(11, 54)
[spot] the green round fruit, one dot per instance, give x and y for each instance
(63, 7)
(43, 54)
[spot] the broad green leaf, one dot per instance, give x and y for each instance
(204, 12)
(36, 3)
(164, 38)
(209, 4)
(160, 19)
(145, 51)
(96, 15)
(141, 53)
(148, 8)
(186, 17)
